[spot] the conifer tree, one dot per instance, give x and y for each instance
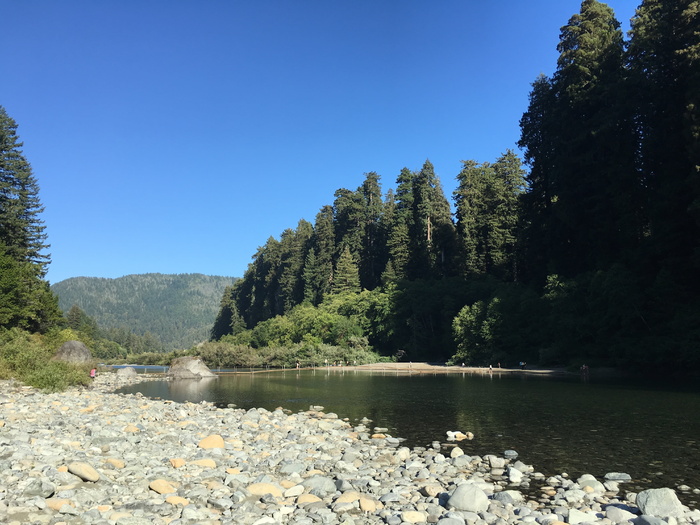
(21, 228)
(433, 239)
(323, 243)
(374, 237)
(346, 277)
(664, 62)
(399, 225)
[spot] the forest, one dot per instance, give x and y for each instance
(585, 250)
(151, 312)
(582, 248)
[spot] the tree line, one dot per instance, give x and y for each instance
(586, 250)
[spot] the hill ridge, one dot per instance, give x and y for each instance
(179, 309)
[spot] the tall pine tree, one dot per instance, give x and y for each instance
(21, 228)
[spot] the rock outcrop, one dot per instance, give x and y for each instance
(189, 368)
(73, 352)
(126, 372)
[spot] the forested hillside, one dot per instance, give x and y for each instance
(591, 254)
(176, 310)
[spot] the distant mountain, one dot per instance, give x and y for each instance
(178, 309)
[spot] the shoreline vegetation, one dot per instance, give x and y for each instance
(90, 456)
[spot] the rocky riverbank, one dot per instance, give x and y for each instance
(88, 456)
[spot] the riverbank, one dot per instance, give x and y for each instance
(88, 456)
(426, 368)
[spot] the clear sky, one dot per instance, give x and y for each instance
(176, 136)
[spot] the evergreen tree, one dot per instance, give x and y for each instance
(538, 140)
(433, 239)
(664, 62)
(323, 243)
(594, 158)
(399, 224)
(374, 237)
(295, 245)
(582, 208)
(21, 229)
(346, 277)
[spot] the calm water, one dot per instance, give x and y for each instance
(557, 425)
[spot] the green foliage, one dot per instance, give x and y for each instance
(226, 355)
(57, 376)
(593, 255)
(346, 277)
(28, 358)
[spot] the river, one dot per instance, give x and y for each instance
(648, 430)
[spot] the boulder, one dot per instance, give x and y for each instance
(468, 497)
(659, 502)
(73, 352)
(127, 371)
(189, 367)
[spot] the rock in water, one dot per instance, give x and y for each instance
(73, 352)
(189, 367)
(659, 502)
(127, 371)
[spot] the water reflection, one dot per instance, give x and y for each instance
(558, 426)
(190, 389)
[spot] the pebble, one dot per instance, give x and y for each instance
(91, 457)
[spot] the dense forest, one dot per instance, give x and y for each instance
(586, 250)
(146, 312)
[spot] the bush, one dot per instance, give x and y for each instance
(57, 375)
(28, 358)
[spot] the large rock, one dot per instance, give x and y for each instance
(468, 497)
(189, 368)
(659, 503)
(73, 352)
(127, 371)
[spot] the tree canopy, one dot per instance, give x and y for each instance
(587, 250)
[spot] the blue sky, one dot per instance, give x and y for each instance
(176, 136)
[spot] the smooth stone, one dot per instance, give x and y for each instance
(162, 486)
(468, 497)
(509, 496)
(260, 489)
(84, 471)
(305, 499)
(57, 503)
(293, 492)
(177, 462)
(576, 516)
(414, 516)
(116, 463)
(659, 502)
(367, 504)
(213, 441)
(456, 452)
(320, 483)
(514, 475)
(618, 476)
(618, 515)
(177, 500)
(431, 490)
